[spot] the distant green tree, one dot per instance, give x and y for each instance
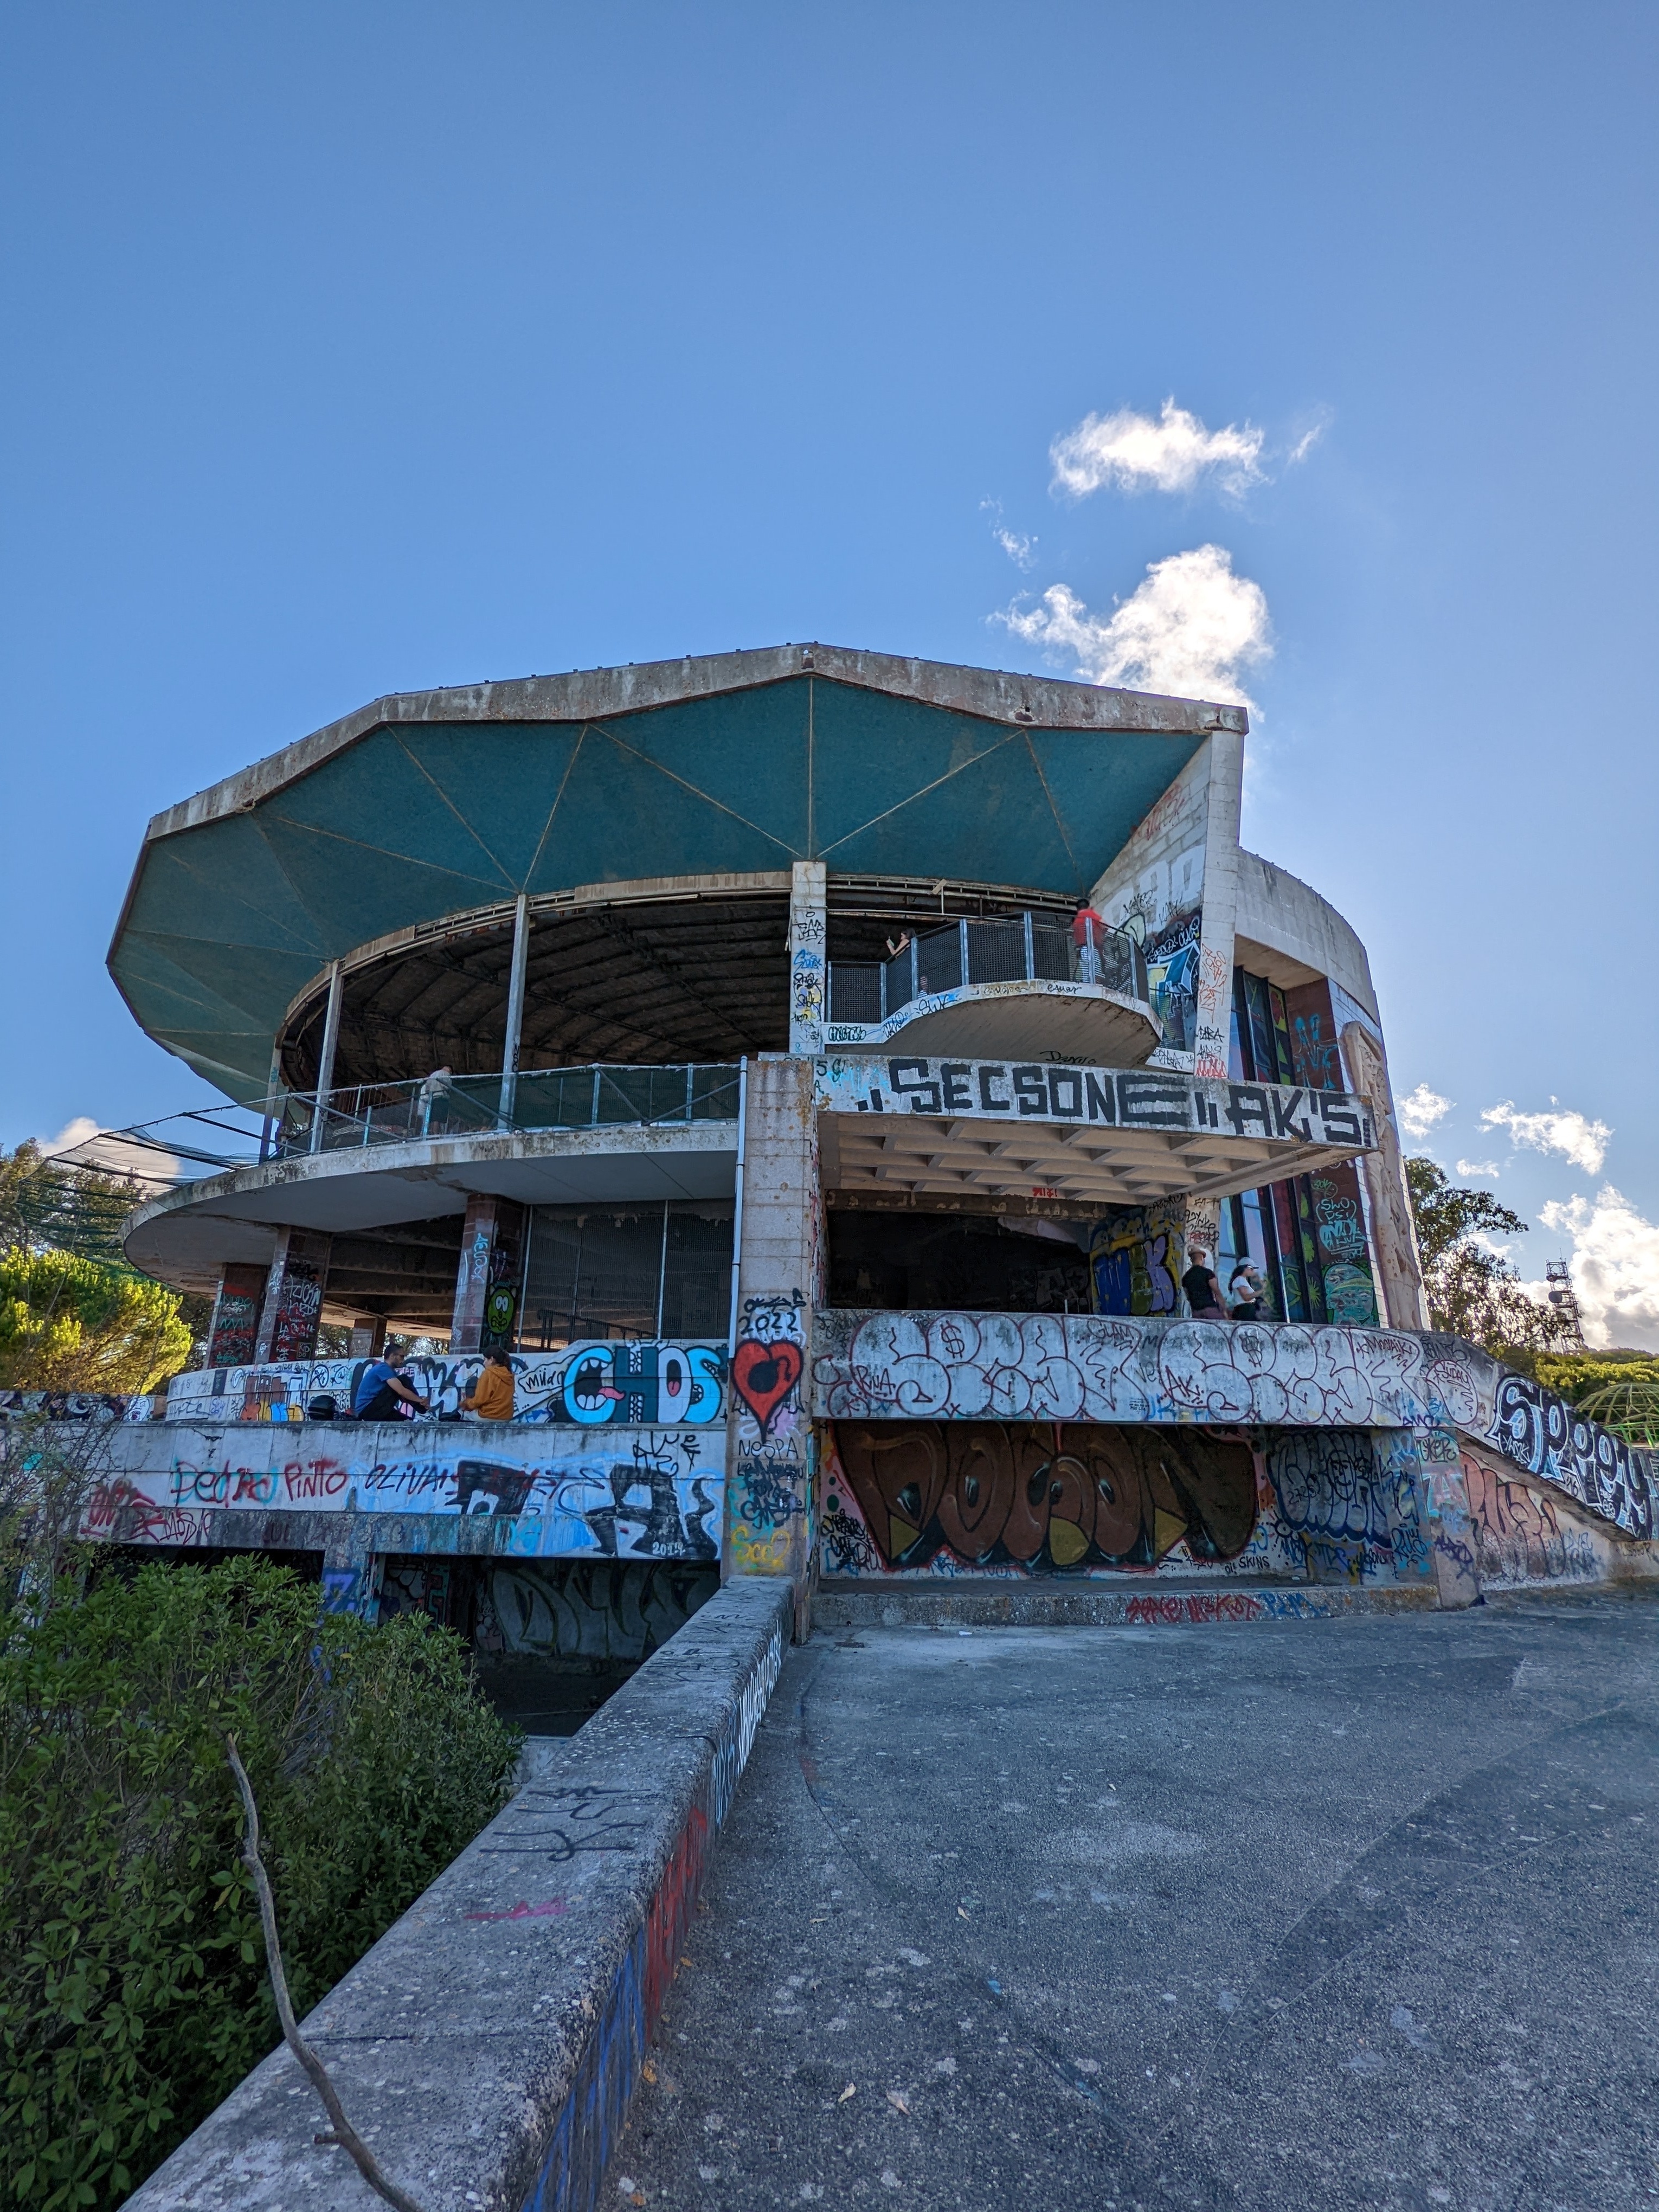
(1619, 1389)
(68, 1323)
(74, 1315)
(1472, 1290)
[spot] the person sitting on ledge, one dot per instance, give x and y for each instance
(381, 1392)
(493, 1396)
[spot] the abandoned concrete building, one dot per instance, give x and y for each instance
(816, 1070)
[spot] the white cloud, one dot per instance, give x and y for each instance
(1309, 437)
(1020, 548)
(1478, 1167)
(1614, 1266)
(1573, 1135)
(1132, 452)
(1420, 1110)
(1188, 629)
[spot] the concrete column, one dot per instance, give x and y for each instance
(1450, 1523)
(771, 1455)
(515, 1008)
(491, 1256)
(293, 1296)
(369, 1338)
(351, 1572)
(809, 973)
(330, 1045)
(233, 1332)
(274, 1280)
(1215, 958)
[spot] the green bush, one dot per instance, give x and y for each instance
(133, 1994)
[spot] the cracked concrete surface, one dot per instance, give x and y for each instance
(1357, 1912)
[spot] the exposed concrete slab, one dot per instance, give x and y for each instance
(1300, 1917)
(191, 1232)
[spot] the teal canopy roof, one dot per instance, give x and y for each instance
(432, 804)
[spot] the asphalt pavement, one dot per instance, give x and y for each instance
(1354, 1912)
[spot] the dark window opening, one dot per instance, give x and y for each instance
(973, 1262)
(657, 1269)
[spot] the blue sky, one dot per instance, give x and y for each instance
(356, 348)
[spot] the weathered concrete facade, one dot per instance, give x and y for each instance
(814, 1069)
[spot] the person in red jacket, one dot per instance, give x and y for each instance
(1088, 934)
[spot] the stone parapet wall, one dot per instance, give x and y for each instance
(487, 2047)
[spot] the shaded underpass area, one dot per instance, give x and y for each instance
(1357, 1912)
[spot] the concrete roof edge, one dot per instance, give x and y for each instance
(592, 695)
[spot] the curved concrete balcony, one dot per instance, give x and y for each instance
(1018, 987)
(368, 1159)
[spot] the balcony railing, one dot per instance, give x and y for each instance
(1017, 949)
(471, 1105)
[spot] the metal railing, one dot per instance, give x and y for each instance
(1019, 948)
(595, 1097)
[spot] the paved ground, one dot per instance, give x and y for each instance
(1323, 1914)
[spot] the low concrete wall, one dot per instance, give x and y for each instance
(487, 2047)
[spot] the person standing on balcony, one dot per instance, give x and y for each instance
(493, 1397)
(1245, 1291)
(1089, 935)
(1202, 1290)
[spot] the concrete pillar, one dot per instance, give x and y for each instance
(274, 1277)
(1393, 1235)
(809, 973)
(771, 1454)
(1450, 1523)
(515, 1008)
(351, 1572)
(292, 1307)
(233, 1332)
(369, 1338)
(1215, 955)
(488, 1279)
(330, 1045)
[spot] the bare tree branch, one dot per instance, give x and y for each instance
(345, 2135)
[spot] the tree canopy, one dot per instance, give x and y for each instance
(1474, 1291)
(73, 1315)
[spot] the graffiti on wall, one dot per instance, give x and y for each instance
(771, 1433)
(1154, 890)
(1040, 1497)
(642, 1494)
(1150, 1098)
(236, 1316)
(592, 1385)
(1521, 1535)
(1137, 1254)
(1350, 1499)
(1013, 1499)
(1097, 1367)
(589, 1609)
(1342, 1247)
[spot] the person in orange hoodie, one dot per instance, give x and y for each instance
(493, 1396)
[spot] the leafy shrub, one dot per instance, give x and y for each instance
(133, 1994)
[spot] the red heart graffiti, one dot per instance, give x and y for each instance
(763, 1374)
